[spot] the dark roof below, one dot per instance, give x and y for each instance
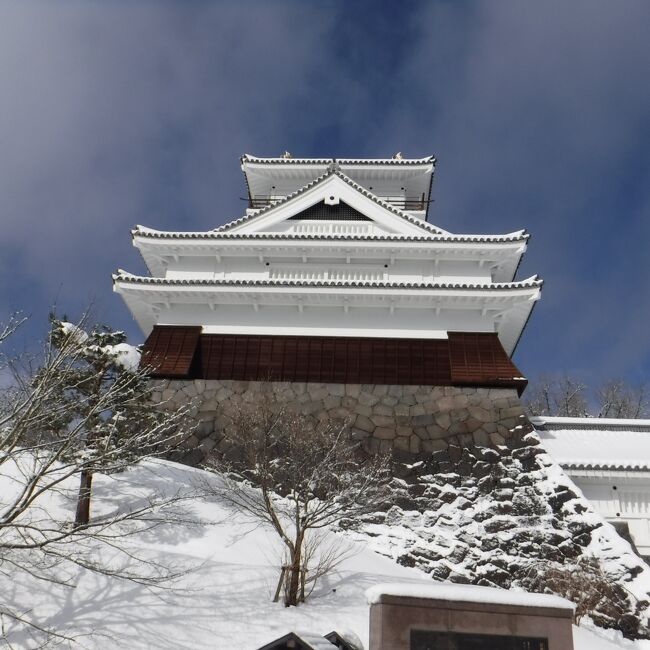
(465, 359)
(293, 641)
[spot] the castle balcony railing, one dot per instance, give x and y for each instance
(321, 274)
(410, 204)
(350, 228)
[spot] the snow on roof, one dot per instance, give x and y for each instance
(124, 276)
(248, 158)
(142, 231)
(316, 641)
(596, 443)
(467, 594)
(308, 639)
(600, 424)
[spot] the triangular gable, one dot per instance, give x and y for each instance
(322, 211)
(333, 188)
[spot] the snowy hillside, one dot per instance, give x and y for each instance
(223, 601)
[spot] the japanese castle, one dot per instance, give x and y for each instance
(334, 273)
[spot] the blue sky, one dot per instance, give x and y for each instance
(114, 113)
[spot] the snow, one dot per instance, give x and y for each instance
(70, 329)
(316, 641)
(225, 598)
(589, 637)
(127, 356)
(225, 601)
(468, 594)
(598, 448)
(555, 422)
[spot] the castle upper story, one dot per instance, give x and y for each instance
(333, 248)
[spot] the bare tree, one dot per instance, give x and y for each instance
(568, 397)
(618, 399)
(49, 419)
(562, 396)
(298, 476)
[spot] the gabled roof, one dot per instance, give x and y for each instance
(299, 641)
(332, 172)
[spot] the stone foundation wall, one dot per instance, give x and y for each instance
(410, 419)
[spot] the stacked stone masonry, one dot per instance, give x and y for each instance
(411, 419)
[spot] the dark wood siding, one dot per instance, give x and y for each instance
(479, 359)
(170, 350)
(465, 359)
(330, 359)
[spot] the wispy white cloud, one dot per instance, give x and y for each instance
(113, 113)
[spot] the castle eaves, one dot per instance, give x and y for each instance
(519, 236)
(530, 283)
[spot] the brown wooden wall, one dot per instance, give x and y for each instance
(171, 350)
(465, 359)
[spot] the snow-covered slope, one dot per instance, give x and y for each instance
(223, 601)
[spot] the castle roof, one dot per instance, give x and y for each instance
(530, 283)
(398, 162)
(596, 443)
(332, 172)
(438, 237)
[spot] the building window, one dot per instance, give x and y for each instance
(425, 640)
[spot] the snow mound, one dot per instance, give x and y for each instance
(224, 599)
(468, 594)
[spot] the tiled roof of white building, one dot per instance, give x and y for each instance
(362, 190)
(342, 161)
(124, 276)
(596, 443)
(519, 235)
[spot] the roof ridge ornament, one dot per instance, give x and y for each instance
(334, 166)
(398, 156)
(287, 156)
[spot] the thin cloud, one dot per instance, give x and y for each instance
(115, 113)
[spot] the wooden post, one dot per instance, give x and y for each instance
(280, 583)
(303, 579)
(82, 516)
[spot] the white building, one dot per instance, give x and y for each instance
(333, 248)
(609, 460)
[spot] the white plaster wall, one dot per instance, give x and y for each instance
(333, 321)
(621, 499)
(251, 268)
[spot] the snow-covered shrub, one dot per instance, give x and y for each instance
(596, 594)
